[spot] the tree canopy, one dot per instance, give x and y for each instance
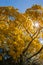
(21, 35)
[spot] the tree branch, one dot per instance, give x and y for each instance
(36, 53)
(31, 41)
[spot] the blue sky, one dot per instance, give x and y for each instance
(22, 5)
